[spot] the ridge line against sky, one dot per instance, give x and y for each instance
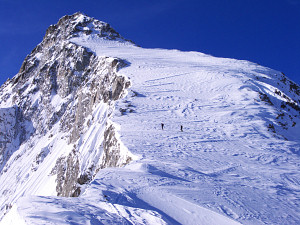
(265, 32)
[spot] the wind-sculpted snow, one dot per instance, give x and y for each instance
(228, 152)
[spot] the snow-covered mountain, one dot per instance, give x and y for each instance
(83, 118)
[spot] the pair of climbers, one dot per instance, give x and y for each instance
(162, 127)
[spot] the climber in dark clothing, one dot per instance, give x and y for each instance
(162, 126)
(181, 127)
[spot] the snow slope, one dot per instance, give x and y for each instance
(225, 159)
(236, 160)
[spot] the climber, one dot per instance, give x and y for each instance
(181, 127)
(162, 126)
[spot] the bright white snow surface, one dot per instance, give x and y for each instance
(225, 167)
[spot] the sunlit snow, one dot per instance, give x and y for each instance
(224, 167)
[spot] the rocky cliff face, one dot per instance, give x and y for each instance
(63, 91)
(14, 130)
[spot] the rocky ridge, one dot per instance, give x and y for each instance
(60, 89)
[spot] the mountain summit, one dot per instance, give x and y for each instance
(79, 24)
(83, 118)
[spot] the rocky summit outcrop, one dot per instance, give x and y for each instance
(63, 92)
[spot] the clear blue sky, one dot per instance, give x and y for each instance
(262, 31)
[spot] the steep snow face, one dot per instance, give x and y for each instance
(236, 159)
(56, 131)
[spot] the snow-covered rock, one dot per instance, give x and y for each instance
(55, 114)
(83, 118)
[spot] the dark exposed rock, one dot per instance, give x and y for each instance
(271, 128)
(277, 92)
(83, 179)
(40, 158)
(67, 170)
(118, 87)
(111, 146)
(265, 98)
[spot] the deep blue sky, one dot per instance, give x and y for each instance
(262, 31)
